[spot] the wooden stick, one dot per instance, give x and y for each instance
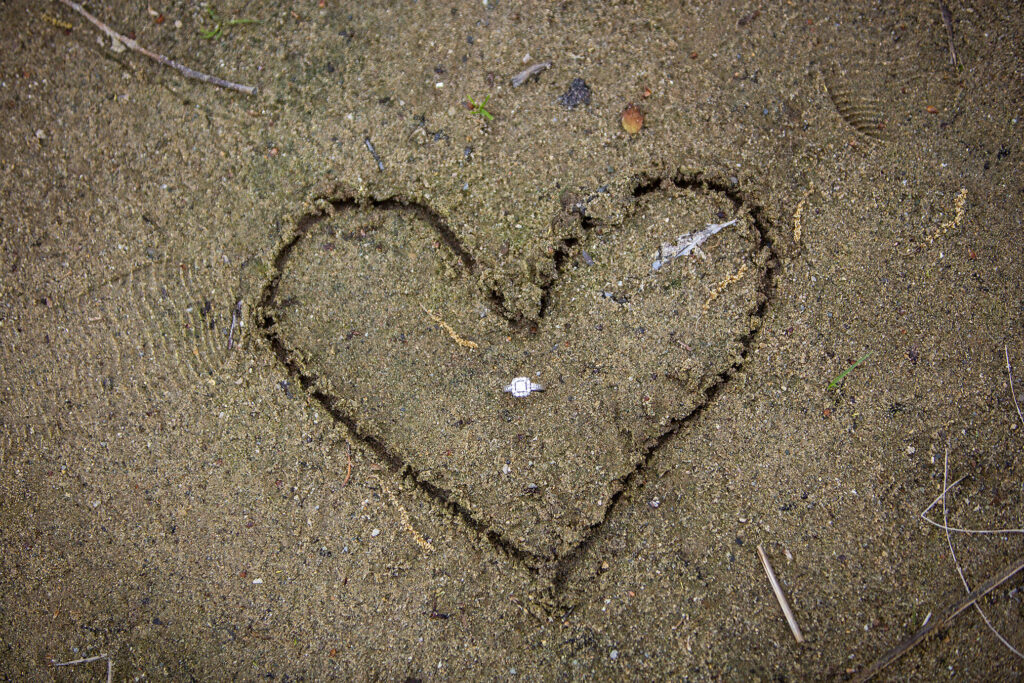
(166, 61)
(780, 596)
(926, 630)
(235, 312)
(110, 664)
(1013, 393)
(938, 499)
(529, 72)
(956, 562)
(348, 471)
(373, 152)
(947, 19)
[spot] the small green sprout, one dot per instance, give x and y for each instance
(479, 108)
(834, 383)
(218, 26)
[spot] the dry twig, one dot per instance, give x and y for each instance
(956, 562)
(926, 630)
(947, 19)
(780, 596)
(1013, 393)
(166, 61)
(947, 528)
(376, 157)
(529, 72)
(946, 487)
(939, 498)
(236, 312)
(348, 469)
(87, 660)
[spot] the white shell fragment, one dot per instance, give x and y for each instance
(522, 387)
(687, 244)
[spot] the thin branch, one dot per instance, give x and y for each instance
(925, 631)
(940, 497)
(87, 660)
(235, 313)
(166, 61)
(529, 72)
(373, 152)
(1013, 393)
(956, 562)
(947, 19)
(780, 596)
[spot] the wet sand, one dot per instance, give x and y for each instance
(252, 418)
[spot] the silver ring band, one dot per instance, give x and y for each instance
(522, 387)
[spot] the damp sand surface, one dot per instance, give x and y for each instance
(252, 348)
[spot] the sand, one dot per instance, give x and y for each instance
(253, 348)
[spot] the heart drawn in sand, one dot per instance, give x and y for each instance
(382, 314)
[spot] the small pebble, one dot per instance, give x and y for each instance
(614, 655)
(257, 581)
(375, 533)
(577, 94)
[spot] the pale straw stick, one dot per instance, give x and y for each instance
(780, 596)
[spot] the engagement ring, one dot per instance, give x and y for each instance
(522, 386)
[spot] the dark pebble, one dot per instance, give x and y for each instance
(577, 94)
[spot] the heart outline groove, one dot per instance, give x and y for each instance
(578, 226)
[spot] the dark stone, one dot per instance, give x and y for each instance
(577, 94)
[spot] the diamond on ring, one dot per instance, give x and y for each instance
(522, 387)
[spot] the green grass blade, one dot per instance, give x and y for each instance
(834, 383)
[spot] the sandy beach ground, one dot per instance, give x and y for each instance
(254, 347)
